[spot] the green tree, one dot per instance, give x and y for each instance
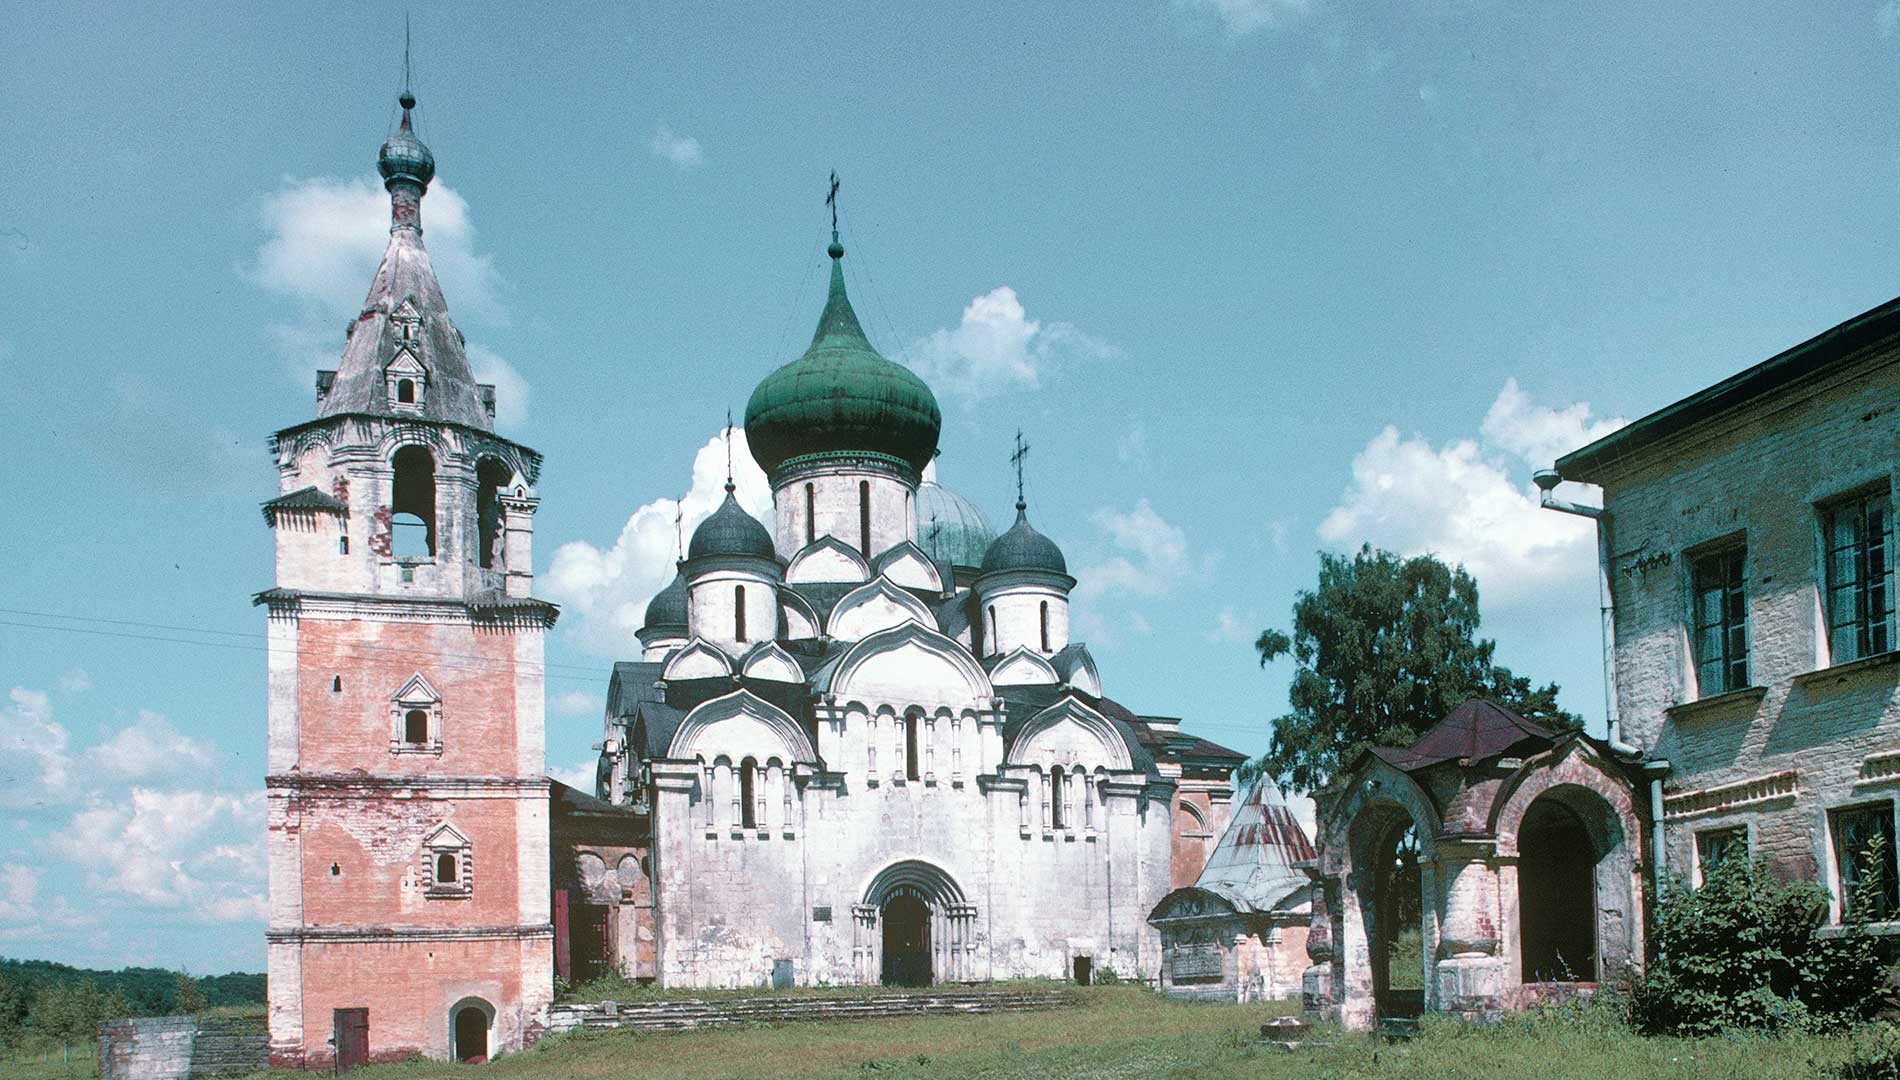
(189, 998)
(13, 1003)
(1384, 646)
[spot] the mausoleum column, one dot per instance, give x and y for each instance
(1468, 976)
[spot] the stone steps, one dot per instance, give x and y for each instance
(688, 1013)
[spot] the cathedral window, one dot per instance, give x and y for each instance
(412, 504)
(1045, 626)
(1056, 816)
(864, 517)
(491, 478)
(738, 613)
(912, 725)
(749, 794)
(406, 391)
(990, 638)
(811, 514)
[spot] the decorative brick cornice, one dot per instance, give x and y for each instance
(323, 934)
(491, 612)
(1880, 768)
(1760, 789)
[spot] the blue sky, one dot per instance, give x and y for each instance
(1257, 277)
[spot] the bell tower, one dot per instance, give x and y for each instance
(408, 806)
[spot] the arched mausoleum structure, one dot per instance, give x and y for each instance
(1527, 871)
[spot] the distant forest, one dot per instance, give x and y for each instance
(44, 1002)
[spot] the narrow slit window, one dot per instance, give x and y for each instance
(343, 544)
(864, 517)
(911, 726)
(738, 613)
(748, 794)
(994, 645)
(811, 514)
(1055, 798)
(336, 684)
(1045, 626)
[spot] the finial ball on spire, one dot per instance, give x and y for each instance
(407, 100)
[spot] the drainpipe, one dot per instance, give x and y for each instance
(1546, 481)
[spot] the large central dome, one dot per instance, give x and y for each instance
(841, 397)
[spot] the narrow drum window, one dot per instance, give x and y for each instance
(738, 613)
(748, 794)
(911, 726)
(994, 645)
(415, 726)
(1045, 626)
(811, 514)
(864, 517)
(445, 869)
(1055, 799)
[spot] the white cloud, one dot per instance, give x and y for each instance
(682, 150)
(606, 591)
(511, 389)
(1239, 17)
(579, 703)
(1471, 501)
(1231, 629)
(75, 681)
(579, 776)
(35, 769)
(197, 851)
(1131, 446)
(1150, 555)
(19, 893)
(997, 347)
(152, 747)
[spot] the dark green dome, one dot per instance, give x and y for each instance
(949, 528)
(1023, 548)
(730, 531)
(404, 157)
(667, 609)
(841, 397)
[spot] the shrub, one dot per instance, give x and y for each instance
(1740, 953)
(1876, 1055)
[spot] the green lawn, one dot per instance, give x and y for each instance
(1130, 1032)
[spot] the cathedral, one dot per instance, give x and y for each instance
(853, 744)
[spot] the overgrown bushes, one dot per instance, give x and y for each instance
(1741, 953)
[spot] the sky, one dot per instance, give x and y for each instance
(1256, 278)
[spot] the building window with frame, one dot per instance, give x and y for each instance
(1864, 860)
(1858, 533)
(1721, 621)
(1716, 847)
(447, 864)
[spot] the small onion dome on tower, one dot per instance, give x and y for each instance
(667, 609)
(841, 397)
(950, 528)
(730, 531)
(1023, 548)
(403, 158)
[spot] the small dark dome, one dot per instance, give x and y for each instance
(404, 157)
(667, 609)
(1023, 548)
(730, 531)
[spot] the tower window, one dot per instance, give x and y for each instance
(738, 613)
(445, 868)
(491, 478)
(412, 504)
(406, 391)
(1045, 626)
(415, 726)
(811, 514)
(864, 517)
(343, 544)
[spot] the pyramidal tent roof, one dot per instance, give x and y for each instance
(1252, 866)
(1478, 730)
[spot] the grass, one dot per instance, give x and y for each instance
(1127, 1031)
(628, 992)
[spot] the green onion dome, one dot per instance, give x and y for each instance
(841, 397)
(1023, 548)
(403, 157)
(667, 609)
(949, 528)
(730, 531)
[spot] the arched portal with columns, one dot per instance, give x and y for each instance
(914, 927)
(1528, 870)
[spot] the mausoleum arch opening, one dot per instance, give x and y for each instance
(1381, 843)
(1576, 890)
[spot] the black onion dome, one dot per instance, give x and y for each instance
(1023, 548)
(668, 607)
(730, 531)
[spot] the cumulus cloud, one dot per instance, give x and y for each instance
(35, 769)
(1143, 556)
(1239, 17)
(682, 150)
(1231, 629)
(579, 776)
(511, 389)
(579, 703)
(997, 347)
(197, 851)
(605, 590)
(152, 747)
(1471, 501)
(1131, 446)
(75, 681)
(19, 893)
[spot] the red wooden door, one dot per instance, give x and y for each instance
(352, 1039)
(592, 946)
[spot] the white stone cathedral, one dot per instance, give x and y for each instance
(863, 744)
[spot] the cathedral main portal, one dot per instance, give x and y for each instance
(906, 921)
